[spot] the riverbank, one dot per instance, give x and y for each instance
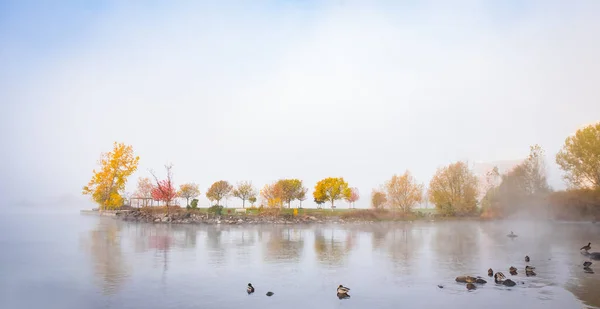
(270, 216)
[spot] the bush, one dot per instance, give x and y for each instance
(194, 204)
(216, 209)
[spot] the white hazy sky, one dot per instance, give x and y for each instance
(262, 90)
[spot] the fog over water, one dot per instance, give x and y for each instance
(73, 261)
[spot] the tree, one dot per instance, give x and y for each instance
(525, 186)
(302, 195)
(319, 203)
(579, 158)
(165, 189)
(244, 191)
(272, 194)
(252, 200)
(331, 189)
(354, 196)
(144, 188)
(218, 191)
(403, 192)
(378, 199)
(290, 190)
(107, 184)
(453, 190)
(189, 191)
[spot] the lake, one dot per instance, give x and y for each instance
(78, 261)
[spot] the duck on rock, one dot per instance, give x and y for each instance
(527, 258)
(499, 278)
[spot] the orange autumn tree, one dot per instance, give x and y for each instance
(108, 183)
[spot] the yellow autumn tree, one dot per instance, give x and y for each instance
(332, 189)
(108, 183)
(453, 190)
(579, 158)
(403, 192)
(272, 194)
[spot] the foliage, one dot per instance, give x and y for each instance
(575, 204)
(165, 189)
(378, 199)
(188, 191)
(252, 200)
(522, 188)
(453, 190)
(215, 209)
(319, 202)
(290, 189)
(403, 192)
(108, 183)
(353, 197)
(302, 195)
(579, 158)
(144, 188)
(245, 191)
(271, 194)
(218, 191)
(331, 189)
(194, 204)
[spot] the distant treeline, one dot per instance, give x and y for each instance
(454, 189)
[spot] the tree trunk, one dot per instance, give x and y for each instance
(243, 203)
(187, 201)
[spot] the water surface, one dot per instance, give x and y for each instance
(77, 261)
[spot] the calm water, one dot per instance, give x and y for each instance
(74, 261)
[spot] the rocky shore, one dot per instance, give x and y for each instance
(204, 218)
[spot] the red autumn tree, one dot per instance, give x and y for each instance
(165, 189)
(354, 196)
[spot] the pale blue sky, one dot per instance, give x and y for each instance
(261, 90)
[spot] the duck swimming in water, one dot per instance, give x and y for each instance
(587, 264)
(513, 271)
(512, 235)
(529, 271)
(250, 288)
(342, 289)
(587, 248)
(490, 272)
(527, 258)
(270, 293)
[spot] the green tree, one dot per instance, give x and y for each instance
(579, 158)
(332, 189)
(453, 190)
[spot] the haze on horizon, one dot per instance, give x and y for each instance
(276, 89)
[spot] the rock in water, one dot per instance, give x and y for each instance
(270, 293)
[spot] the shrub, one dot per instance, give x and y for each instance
(216, 209)
(194, 204)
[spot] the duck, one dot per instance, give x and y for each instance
(529, 271)
(587, 264)
(250, 288)
(527, 258)
(513, 270)
(490, 272)
(587, 248)
(499, 278)
(512, 234)
(342, 289)
(588, 270)
(270, 293)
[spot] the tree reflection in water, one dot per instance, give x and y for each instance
(284, 244)
(103, 244)
(331, 251)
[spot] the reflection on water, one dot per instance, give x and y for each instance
(129, 265)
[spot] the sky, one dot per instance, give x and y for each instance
(263, 90)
